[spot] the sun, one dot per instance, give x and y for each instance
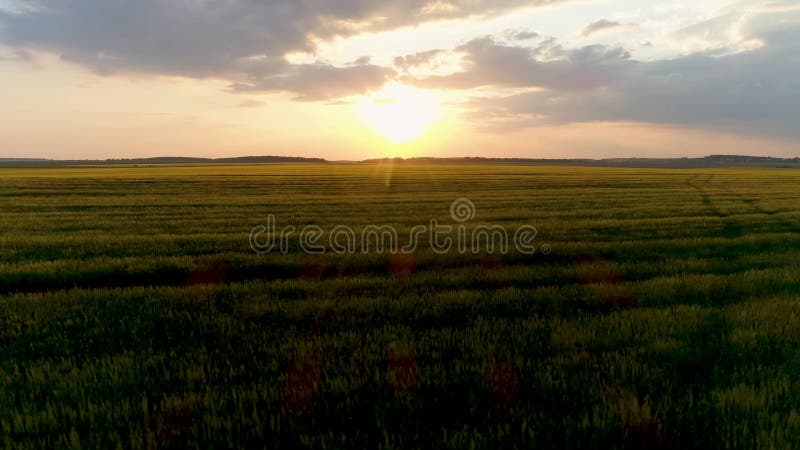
(399, 113)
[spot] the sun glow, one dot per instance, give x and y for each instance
(400, 113)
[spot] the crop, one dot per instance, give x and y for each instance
(134, 314)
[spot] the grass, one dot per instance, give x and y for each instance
(133, 313)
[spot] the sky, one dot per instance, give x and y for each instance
(358, 79)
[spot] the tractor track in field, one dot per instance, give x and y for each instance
(754, 206)
(730, 228)
(701, 185)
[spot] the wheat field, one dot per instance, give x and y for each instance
(134, 313)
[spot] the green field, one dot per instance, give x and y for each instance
(134, 314)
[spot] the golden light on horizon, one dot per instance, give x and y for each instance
(400, 113)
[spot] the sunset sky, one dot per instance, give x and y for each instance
(355, 79)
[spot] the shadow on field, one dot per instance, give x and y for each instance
(603, 280)
(223, 271)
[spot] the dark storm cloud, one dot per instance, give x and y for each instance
(240, 40)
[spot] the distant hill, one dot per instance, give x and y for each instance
(706, 162)
(160, 160)
(687, 163)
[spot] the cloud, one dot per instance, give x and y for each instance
(520, 35)
(251, 104)
(417, 59)
(718, 34)
(729, 92)
(737, 71)
(753, 91)
(243, 41)
(17, 54)
(602, 25)
(488, 62)
(316, 82)
(362, 60)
